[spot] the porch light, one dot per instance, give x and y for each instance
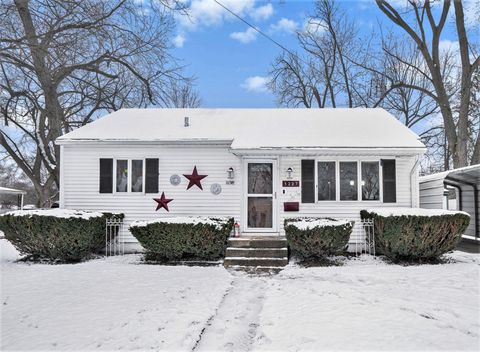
(289, 173)
(231, 173)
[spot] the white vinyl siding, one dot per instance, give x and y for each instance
(349, 210)
(81, 181)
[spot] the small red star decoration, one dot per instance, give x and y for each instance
(162, 202)
(195, 179)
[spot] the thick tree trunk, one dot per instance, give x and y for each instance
(465, 88)
(53, 110)
(476, 152)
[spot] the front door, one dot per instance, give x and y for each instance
(260, 196)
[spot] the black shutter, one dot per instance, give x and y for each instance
(308, 181)
(106, 175)
(151, 177)
(389, 181)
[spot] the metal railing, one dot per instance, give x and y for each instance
(368, 226)
(365, 243)
(113, 230)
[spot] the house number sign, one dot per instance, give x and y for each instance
(290, 183)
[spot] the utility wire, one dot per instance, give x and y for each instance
(256, 29)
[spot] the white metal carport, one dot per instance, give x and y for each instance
(466, 181)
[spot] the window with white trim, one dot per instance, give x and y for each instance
(122, 176)
(137, 175)
(370, 180)
(326, 176)
(348, 180)
(129, 175)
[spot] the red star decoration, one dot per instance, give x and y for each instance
(162, 202)
(195, 179)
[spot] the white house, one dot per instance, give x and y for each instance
(259, 166)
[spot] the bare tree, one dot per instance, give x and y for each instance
(321, 76)
(419, 23)
(62, 63)
(184, 96)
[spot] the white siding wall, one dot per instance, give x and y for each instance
(80, 165)
(346, 209)
(431, 194)
(468, 202)
(81, 181)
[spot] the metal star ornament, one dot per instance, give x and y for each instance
(162, 202)
(194, 179)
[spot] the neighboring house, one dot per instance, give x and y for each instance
(259, 166)
(8, 192)
(434, 194)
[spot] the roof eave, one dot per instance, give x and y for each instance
(333, 150)
(94, 141)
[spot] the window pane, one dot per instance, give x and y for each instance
(137, 175)
(260, 212)
(122, 175)
(348, 181)
(370, 181)
(326, 180)
(260, 178)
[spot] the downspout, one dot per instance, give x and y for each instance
(459, 189)
(414, 168)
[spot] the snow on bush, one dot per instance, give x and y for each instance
(416, 234)
(57, 212)
(413, 212)
(317, 237)
(55, 234)
(194, 220)
(183, 237)
(309, 223)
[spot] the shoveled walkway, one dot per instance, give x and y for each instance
(234, 326)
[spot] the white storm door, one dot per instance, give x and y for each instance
(260, 196)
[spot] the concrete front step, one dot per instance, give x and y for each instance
(257, 242)
(264, 262)
(257, 252)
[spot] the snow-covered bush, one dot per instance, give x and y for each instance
(183, 237)
(414, 233)
(55, 234)
(317, 237)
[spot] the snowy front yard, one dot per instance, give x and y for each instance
(118, 304)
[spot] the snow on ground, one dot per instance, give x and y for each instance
(369, 305)
(115, 303)
(106, 305)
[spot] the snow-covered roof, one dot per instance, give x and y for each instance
(252, 128)
(5, 190)
(468, 173)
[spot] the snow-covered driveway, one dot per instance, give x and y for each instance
(117, 304)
